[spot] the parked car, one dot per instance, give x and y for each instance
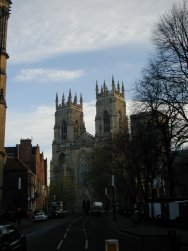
(11, 239)
(40, 216)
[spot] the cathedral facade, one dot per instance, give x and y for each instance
(72, 145)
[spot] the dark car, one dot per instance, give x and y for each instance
(11, 239)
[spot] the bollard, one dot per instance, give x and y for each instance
(111, 245)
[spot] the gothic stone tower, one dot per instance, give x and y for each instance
(72, 146)
(4, 15)
(110, 111)
(70, 150)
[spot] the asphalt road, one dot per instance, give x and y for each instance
(77, 233)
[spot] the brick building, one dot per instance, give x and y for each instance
(25, 177)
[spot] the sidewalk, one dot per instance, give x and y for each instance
(24, 223)
(144, 229)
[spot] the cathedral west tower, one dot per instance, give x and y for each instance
(4, 15)
(110, 111)
(71, 150)
(73, 146)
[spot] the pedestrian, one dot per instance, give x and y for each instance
(135, 216)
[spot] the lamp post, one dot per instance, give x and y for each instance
(19, 191)
(106, 200)
(19, 199)
(113, 199)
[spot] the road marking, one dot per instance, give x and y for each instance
(59, 246)
(29, 235)
(68, 229)
(85, 233)
(66, 232)
(86, 245)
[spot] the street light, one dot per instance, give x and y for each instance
(106, 200)
(19, 199)
(113, 199)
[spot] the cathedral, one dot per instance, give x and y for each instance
(72, 145)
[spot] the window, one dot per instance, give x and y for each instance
(76, 129)
(120, 120)
(106, 119)
(82, 170)
(64, 131)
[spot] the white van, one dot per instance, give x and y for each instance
(97, 208)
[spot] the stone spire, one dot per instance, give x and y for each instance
(63, 99)
(56, 100)
(113, 85)
(97, 89)
(70, 97)
(123, 89)
(75, 99)
(118, 87)
(81, 100)
(104, 87)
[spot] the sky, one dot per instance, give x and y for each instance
(58, 45)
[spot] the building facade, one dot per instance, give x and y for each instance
(147, 134)
(72, 145)
(25, 178)
(4, 15)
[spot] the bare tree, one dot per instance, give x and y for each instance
(170, 66)
(164, 85)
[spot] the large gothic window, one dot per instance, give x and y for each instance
(62, 162)
(106, 119)
(82, 169)
(76, 129)
(64, 131)
(120, 120)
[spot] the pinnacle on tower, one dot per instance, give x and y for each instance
(56, 100)
(118, 87)
(113, 82)
(113, 85)
(104, 87)
(63, 99)
(97, 89)
(122, 89)
(101, 90)
(81, 100)
(70, 97)
(75, 99)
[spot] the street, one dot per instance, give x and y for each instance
(77, 233)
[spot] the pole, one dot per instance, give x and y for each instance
(106, 201)
(113, 200)
(19, 195)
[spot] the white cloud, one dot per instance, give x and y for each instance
(36, 124)
(40, 29)
(89, 116)
(47, 75)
